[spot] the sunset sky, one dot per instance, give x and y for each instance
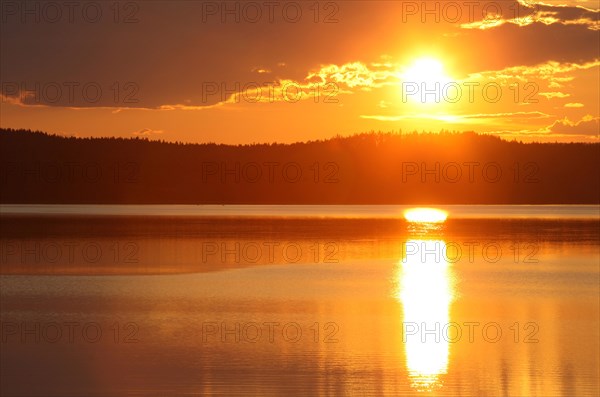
(177, 71)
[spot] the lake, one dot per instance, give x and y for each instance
(299, 301)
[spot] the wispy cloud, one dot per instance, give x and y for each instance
(556, 94)
(588, 125)
(460, 118)
(524, 13)
(147, 132)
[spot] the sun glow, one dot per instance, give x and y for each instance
(422, 79)
(425, 215)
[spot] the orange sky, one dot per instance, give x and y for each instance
(189, 71)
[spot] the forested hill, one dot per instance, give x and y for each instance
(374, 168)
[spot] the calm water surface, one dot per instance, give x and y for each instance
(273, 304)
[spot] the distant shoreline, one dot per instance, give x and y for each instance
(366, 169)
(485, 211)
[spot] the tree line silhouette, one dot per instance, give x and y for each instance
(369, 168)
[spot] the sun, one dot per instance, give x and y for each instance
(424, 81)
(425, 215)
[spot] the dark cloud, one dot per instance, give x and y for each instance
(510, 45)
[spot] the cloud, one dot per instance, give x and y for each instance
(513, 115)
(588, 125)
(574, 105)
(530, 80)
(458, 118)
(146, 132)
(550, 70)
(550, 95)
(322, 84)
(591, 4)
(524, 13)
(509, 45)
(262, 70)
(355, 74)
(586, 130)
(327, 82)
(190, 57)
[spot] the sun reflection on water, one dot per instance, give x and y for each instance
(425, 215)
(425, 221)
(425, 290)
